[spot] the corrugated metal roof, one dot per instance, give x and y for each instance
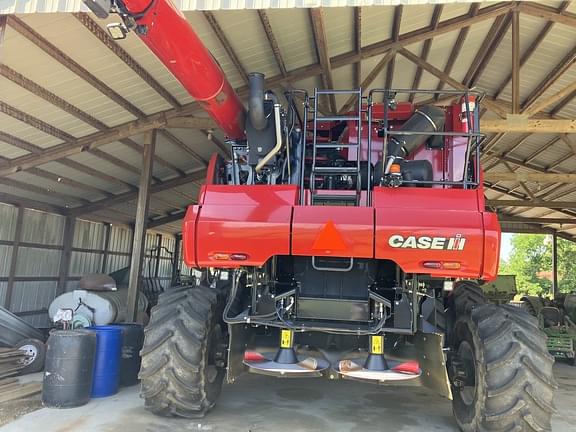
(293, 31)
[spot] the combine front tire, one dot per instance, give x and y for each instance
(501, 372)
(184, 354)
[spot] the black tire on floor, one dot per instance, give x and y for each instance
(184, 353)
(36, 351)
(466, 296)
(511, 369)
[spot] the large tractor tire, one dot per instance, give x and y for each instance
(501, 372)
(184, 353)
(466, 296)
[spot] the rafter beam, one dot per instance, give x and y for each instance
(321, 42)
(263, 16)
(550, 79)
(532, 204)
(529, 126)
(532, 48)
(515, 62)
(426, 48)
(158, 120)
(549, 13)
(132, 195)
(104, 37)
(530, 177)
(357, 45)
(169, 218)
(31, 204)
(457, 48)
(541, 220)
(395, 36)
(541, 105)
(448, 79)
(487, 50)
(209, 16)
(367, 82)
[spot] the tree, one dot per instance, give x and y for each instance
(531, 261)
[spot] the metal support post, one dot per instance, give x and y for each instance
(66, 256)
(140, 225)
(554, 265)
(14, 260)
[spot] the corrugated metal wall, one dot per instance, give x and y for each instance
(37, 269)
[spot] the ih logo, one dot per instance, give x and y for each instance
(456, 243)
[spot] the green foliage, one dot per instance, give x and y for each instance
(531, 261)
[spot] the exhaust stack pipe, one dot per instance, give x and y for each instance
(256, 101)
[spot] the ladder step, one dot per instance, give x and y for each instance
(338, 118)
(335, 92)
(336, 170)
(334, 198)
(335, 145)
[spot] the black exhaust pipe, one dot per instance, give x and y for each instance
(256, 101)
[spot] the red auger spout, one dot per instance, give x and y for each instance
(165, 30)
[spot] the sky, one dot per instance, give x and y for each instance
(506, 246)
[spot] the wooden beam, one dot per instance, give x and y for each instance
(515, 62)
(529, 126)
(457, 48)
(550, 79)
(532, 204)
(104, 37)
(178, 143)
(91, 141)
(140, 226)
(14, 257)
(191, 123)
(21, 27)
(263, 16)
(169, 218)
(357, 45)
(488, 49)
(106, 247)
(57, 101)
(209, 16)
(47, 175)
(83, 168)
(66, 254)
(158, 120)
(563, 104)
(32, 204)
(540, 105)
(549, 13)
(367, 82)
(395, 36)
(532, 48)
(448, 79)
(530, 177)
(541, 220)
(321, 42)
(130, 196)
(426, 48)
(43, 191)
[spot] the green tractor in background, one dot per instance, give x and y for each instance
(557, 317)
(500, 291)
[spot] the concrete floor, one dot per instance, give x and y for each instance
(258, 404)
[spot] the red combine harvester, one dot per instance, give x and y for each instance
(337, 245)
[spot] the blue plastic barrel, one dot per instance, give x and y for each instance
(106, 376)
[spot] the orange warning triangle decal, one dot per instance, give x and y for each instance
(329, 239)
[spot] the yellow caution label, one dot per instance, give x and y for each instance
(286, 338)
(376, 344)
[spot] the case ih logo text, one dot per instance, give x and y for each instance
(424, 242)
